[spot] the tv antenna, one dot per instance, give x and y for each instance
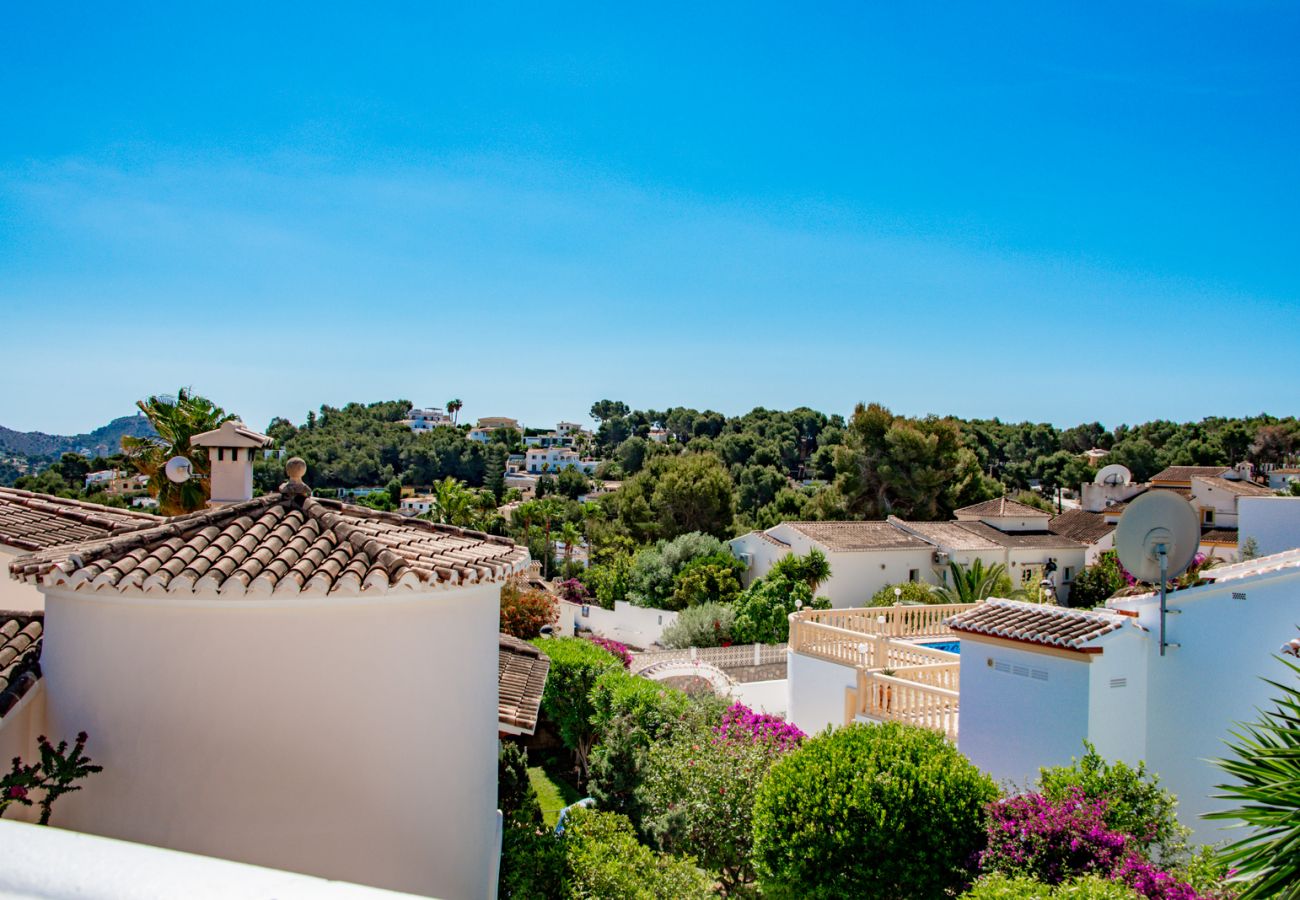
(1156, 539)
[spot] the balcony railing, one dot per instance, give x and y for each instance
(897, 678)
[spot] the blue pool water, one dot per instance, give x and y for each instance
(946, 646)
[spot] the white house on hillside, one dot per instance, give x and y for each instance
(422, 421)
(555, 459)
(1036, 681)
(286, 681)
(866, 556)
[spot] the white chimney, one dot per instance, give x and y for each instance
(230, 455)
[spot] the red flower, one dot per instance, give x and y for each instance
(17, 792)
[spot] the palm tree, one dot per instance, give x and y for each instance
(548, 509)
(176, 420)
(571, 534)
(453, 409)
(975, 583)
(452, 503)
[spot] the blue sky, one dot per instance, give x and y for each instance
(1038, 211)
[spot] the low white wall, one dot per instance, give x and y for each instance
(1021, 709)
(64, 865)
(1274, 523)
(816, 692)
(18, 732)
(16, 595)
(636, 626)
(763, 696)
(345, 738)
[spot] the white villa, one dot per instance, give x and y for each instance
(422, 421)
(538, 460)
(867, 556)
(285, 681)
(1032, 682)
(482, 430)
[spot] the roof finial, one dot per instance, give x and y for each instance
(295, 468)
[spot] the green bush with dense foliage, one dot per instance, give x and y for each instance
(888, 811)
(912, 592)
(1091, 887)
(605, 861)
(576, 665)
(763, 609)
(629, 715)
(698, 796)
(1136, 805)
(1097, 583)
(707, 625)
(532, 860)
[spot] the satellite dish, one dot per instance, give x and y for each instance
(1153, 520)
(178, 469)
(1113, 474)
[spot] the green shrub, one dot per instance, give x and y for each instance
(515, 795)
(710, 579)
(629, 714)
(1095, 584)
(575, 667)
(763, 610)
(1135, 803)
(887, 811)
(913, 592)
(706, 625)
(1092, 887)
(524, 611)
(698, 797)
(605, 861)
(532, 864)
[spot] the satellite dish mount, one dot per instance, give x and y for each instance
(1156, 539)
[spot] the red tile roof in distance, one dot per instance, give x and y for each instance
(521, 678)
(20, 656)
(31, 521)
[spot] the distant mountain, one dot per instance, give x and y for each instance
(102, 441)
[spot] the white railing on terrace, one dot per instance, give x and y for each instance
(722, 657)
(891, 698)
(897, 678)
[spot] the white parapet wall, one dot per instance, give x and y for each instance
(636, 626)
(1274, 523)
(763, 696)
(816, 692)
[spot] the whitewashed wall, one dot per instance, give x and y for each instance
(16, 595)
(349, 739)
(1228, 636)
(1020, 709)
(816, 692)
(1274, 523)
(763, 696)
(636, 626)
(18, 732)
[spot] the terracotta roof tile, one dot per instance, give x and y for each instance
(282, 544)
(1219, 536)
(1183, 474)
(1033, 623)
(1081, 525)
(1044, 539)
(948, 535)
(20, 655)
(775, 541)
(1003, 507)
(858, 535)
(31, 521)
(1240, 488)
(521, 677)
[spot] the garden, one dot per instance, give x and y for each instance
(691, 796)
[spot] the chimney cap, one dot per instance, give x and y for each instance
(295, 468)
(231, 433)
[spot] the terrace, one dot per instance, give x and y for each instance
(882, 662)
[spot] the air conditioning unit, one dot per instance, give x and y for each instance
(940, 558)
(746, 558)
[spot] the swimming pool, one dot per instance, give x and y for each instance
(945, 646)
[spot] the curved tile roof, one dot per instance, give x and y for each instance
(1003, 507)
(283, 544)
(31, 521)
(1035, 623)
(858, 535)
(521, 678)
(20, 656)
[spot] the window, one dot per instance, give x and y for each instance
(1207, 517)
(913, 574)
(1068, 574)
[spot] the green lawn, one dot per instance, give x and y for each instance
(552, 793)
